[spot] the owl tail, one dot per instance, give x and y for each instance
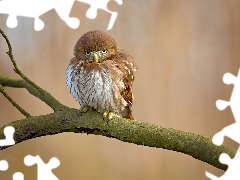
(130, 116)
(127, 113)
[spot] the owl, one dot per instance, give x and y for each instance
(100, 75)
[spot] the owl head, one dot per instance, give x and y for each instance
(96, 46)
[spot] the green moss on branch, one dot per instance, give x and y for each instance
(44, 95)
(68, 120)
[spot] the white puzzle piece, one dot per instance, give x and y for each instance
(44, 170)
(8, 132)
(3, 165)
(36, 8)
(232, 131)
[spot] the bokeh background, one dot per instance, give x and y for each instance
(182, 49)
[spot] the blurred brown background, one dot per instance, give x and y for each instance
(182, 49)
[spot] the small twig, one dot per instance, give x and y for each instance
(16, 69)
(25, 113)
(44, 95)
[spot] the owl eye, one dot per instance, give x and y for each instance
(87, 53)
(104, 51)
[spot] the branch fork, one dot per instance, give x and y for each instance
(65, 119)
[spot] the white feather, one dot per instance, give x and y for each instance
(95, 89)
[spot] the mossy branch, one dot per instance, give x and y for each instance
(43, 95)
(141, 133)
(65, 119)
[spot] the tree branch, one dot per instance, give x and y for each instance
(45, 96)
(141, 133)
(65, 119)
(25, 113)
(39, 92)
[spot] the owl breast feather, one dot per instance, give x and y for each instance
(96, 88)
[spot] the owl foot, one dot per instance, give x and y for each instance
(85, 109)
(109, 115)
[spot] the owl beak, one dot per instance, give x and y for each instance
(95, 57)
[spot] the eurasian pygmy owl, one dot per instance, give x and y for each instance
(100, 75)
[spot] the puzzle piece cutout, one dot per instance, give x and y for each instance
(44, 170)
(18, 176)
(232, 131)
(8, 132)
(232, 172)
(101, 4)
(36, 8)
(3, 165)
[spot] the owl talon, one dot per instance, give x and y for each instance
(109, 115)
(85, 109)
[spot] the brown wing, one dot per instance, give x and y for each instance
(129, 68)
(128, 96)
(127, 92)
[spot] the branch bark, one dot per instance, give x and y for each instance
(65, 119)
(42, 95)
(141, 133)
